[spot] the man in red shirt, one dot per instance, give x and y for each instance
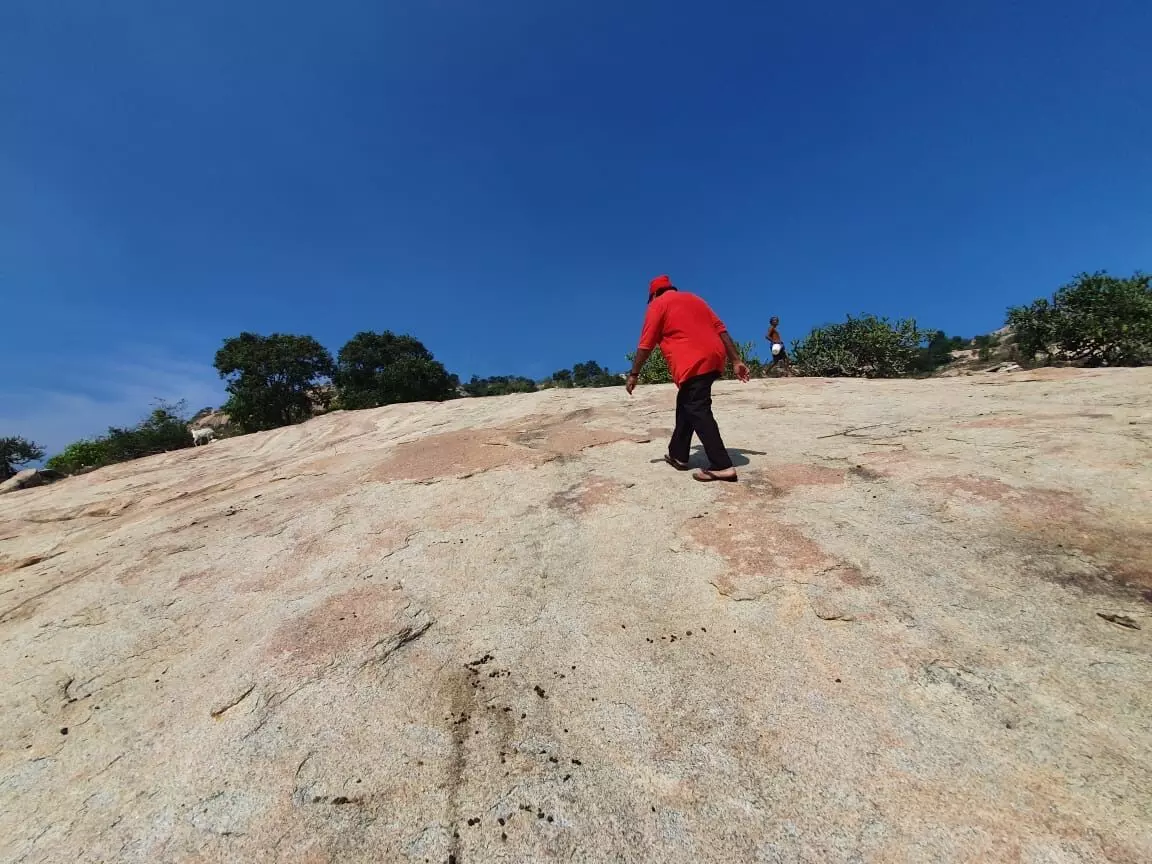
(696, 345)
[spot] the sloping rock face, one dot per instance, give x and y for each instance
(918, 630)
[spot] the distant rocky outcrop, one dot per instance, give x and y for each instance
(218, 420)
(998, 355)
(213, 419)
(918, 629)
(30, 478)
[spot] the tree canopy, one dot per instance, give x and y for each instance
(985, 345)
(1096, 319)
(587, 374)
(16, 451)
(656, 370)
(938, 351)
(864, 347)
(499, 385)
(592, 374)
(374, 369)
(273, 380)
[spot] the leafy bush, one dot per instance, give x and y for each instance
(81, 455)
(747, 350)
(656, 370)
(985, 345)
(164, 429)
(938, 351)
(1095, 319)
(273, 380)
(15, 452)
(499, 385)
(561, 378)
(375, 369)
(589, 374)
(592, 374)
(865, 347)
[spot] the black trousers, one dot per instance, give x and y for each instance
(694, 414)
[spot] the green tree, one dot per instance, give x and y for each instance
(80, 456)
(1034, 327)
(1096, 319)
(374, 369)
(164, 429)
(499, 385)
(592, 374)
(656, 370)
(562, 378)
(864, 347)
(938, 351)
(14, 452)
(273, 380)
(756, 367)
(584, 373)
(985, 345)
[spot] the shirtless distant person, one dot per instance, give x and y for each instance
(776, 341)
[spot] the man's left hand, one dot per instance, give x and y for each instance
(741, 370)
(630, 384)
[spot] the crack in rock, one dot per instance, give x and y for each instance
(393, 642)
(220, 710)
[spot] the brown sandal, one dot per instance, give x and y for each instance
(706, 476)
(675, 463)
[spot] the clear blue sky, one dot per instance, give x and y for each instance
(501, 178)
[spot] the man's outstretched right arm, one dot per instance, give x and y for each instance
(649, 339)
(642, 355)
(738, 365)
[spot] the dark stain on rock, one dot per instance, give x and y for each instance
(853, 576)
(864, 473)
(462, 706)
(1120, 620)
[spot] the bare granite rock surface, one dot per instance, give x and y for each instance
(918, 630)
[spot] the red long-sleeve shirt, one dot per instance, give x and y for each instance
(688, 333)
